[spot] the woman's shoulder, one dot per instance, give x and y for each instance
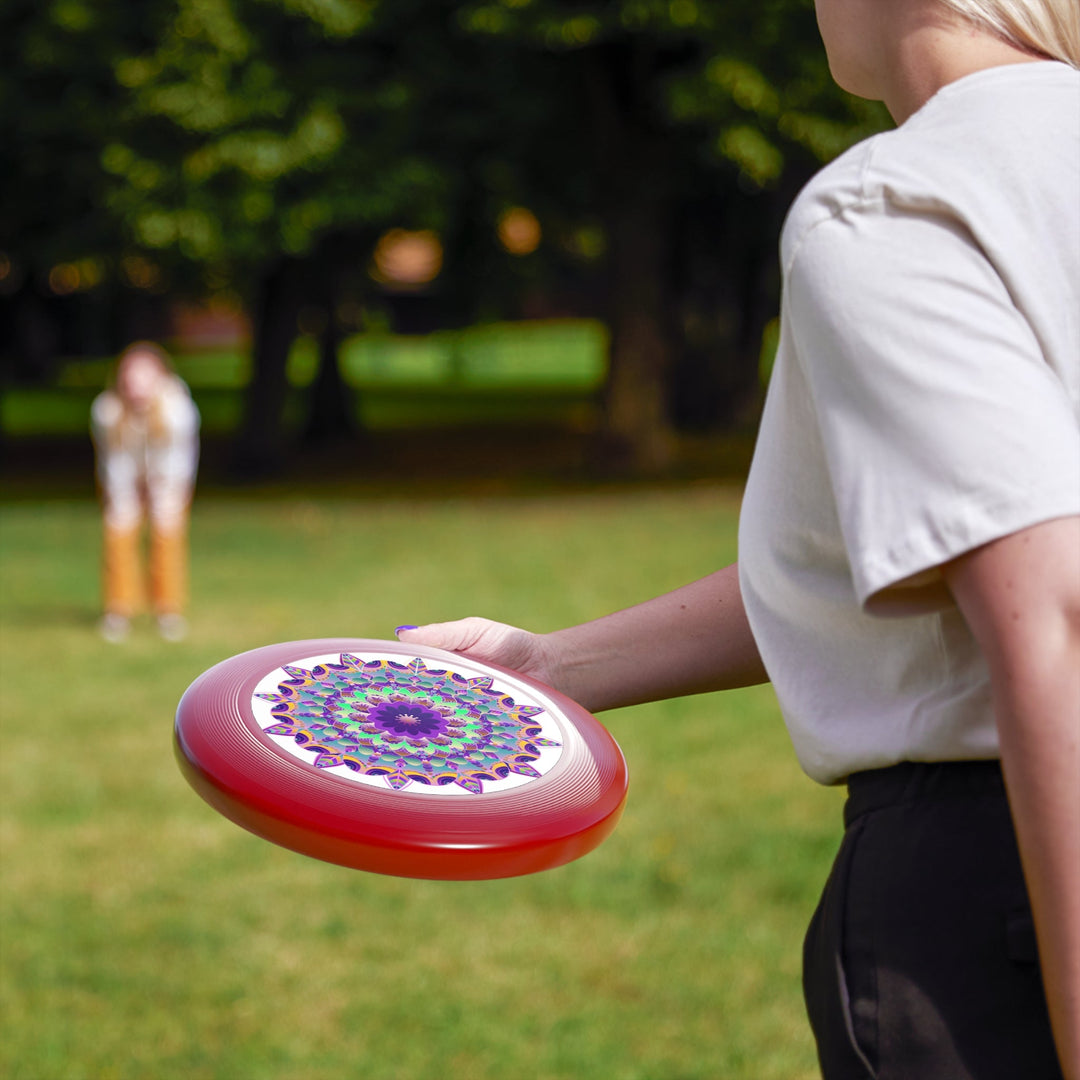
(998, 142)
(831, 192)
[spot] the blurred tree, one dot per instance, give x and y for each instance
(59, 106)
(296, 133)
(261, 147)
(691, 126)
(284, 151)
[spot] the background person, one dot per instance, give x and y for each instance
(146, 437)
(909, 573)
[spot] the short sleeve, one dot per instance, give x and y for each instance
(105, 414)
(944, 426)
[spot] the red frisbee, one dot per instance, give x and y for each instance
(400, 759)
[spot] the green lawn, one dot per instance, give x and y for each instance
(144, 936)
(546, 371)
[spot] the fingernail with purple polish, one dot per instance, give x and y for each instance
(400, 628)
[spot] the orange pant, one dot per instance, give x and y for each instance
(124, 585)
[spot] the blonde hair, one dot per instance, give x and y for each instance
(1048, 27)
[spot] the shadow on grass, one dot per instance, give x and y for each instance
(420, 463)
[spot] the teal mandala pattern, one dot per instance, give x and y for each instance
(406, 724)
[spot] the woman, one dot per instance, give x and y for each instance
(146, 436)
(909, 574)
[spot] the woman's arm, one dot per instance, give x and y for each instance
(1021, 598)
(689, 641)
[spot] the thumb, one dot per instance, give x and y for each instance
(456, 636)
(485, 640)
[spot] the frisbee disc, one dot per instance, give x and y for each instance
(400, 759)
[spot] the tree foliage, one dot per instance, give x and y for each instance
(262, 146)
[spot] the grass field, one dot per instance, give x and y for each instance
(146, 937)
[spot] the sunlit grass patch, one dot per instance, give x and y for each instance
(145, 936)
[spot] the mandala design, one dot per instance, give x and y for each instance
(407, 724)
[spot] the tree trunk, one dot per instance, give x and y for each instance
(34, 346)
(635, 191)
(331, 415)
(727, 283)
(637, 425)
(261, 447)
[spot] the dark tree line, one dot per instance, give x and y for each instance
(263, 146)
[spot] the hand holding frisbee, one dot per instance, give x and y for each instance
(400, 759)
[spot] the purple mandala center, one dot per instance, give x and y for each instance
(407, 718)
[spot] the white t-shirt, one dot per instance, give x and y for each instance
(925, 400)
(143, 462)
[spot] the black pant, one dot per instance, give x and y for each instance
(920, 961)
